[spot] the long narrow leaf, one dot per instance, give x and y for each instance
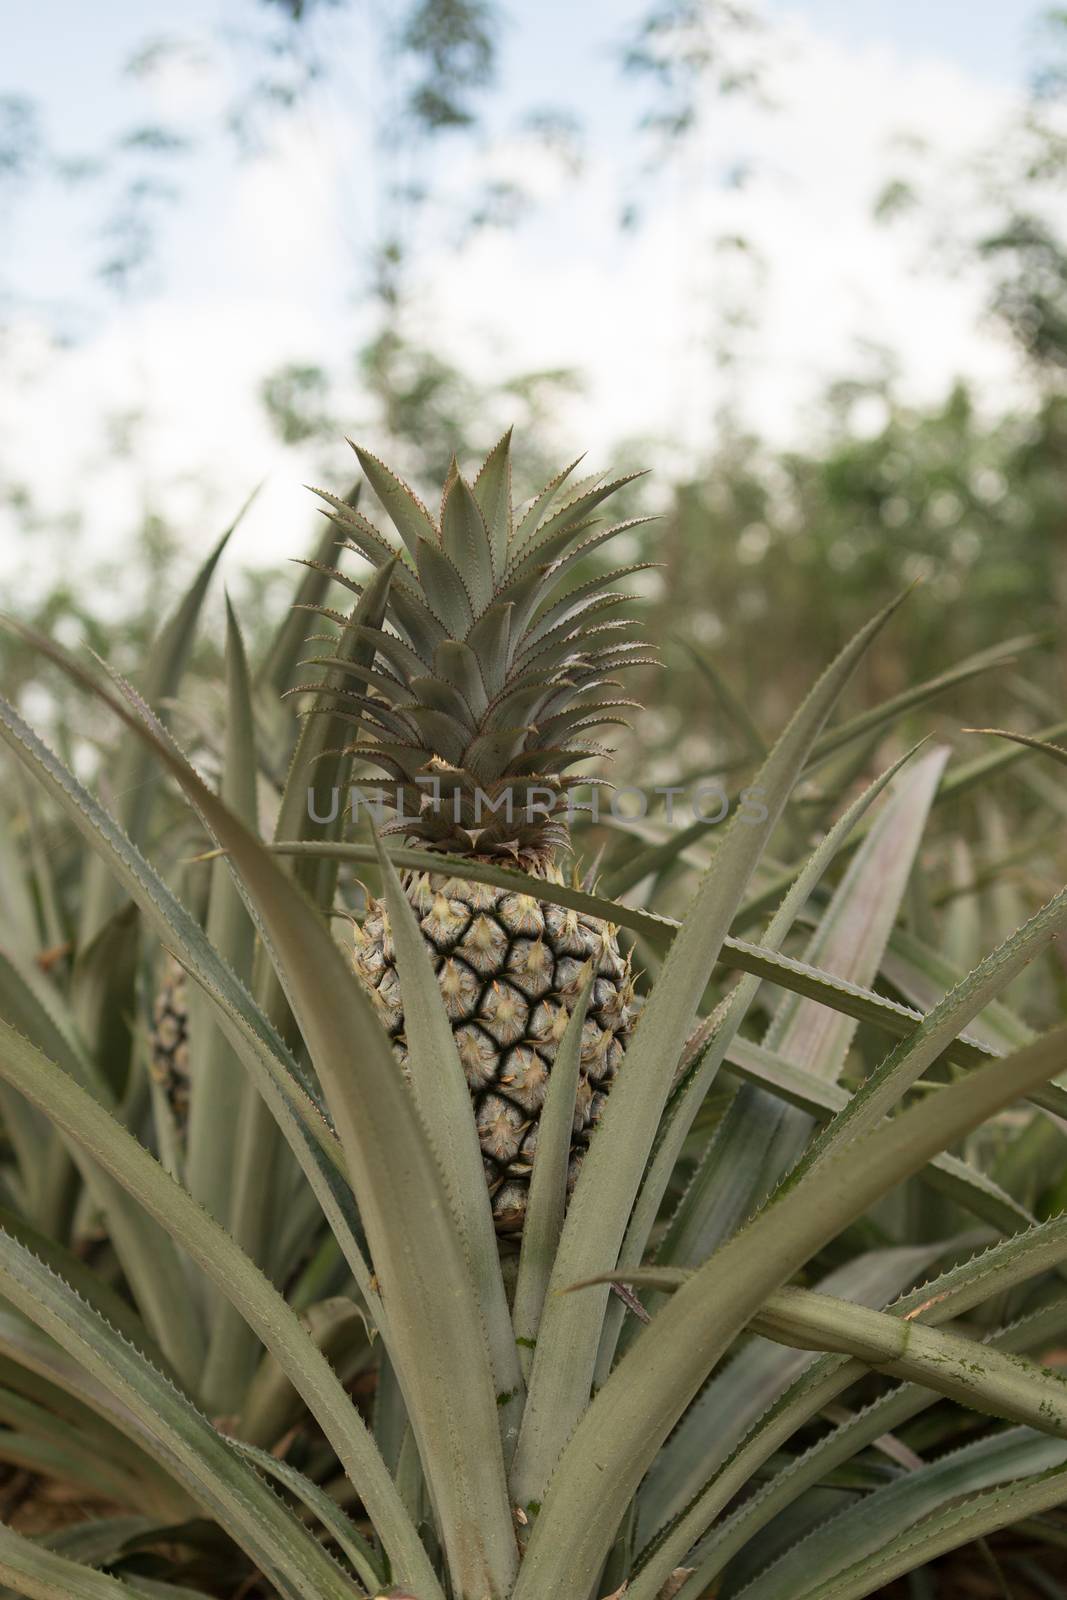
(722, 1039)
(403, 1205)
(443, 1100)
(565, 1358)
(42, 1574)
(650, 1388)
(547, 1202)
(740, 955)
(224, 1485)
(208, 1244)
(133, 781)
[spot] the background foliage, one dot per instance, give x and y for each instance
(769, 558)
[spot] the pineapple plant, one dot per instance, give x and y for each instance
(493, 671)
(300, 1364)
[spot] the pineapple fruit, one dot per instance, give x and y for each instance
(490, 671)
(169, 1043)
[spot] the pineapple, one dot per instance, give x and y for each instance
(169, 1044)
(489, 673)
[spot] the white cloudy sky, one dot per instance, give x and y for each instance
(259, 263)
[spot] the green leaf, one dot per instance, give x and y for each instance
(816, 1389)
(986, 1380)
(923, 976)
(958, 781)
(152, 1266)
(967, 1185)
(445, 589)
(646, 1394)
(739, 1395)
(340, 1527)
(417, 1255)
(848, 1541)
(217, 1076)
(731, 703)
(547, 1199)
(947, 1530)
(262, 1050)
(444, 1104)
(565, 1358)
(89, 1284)
(1056, 751)
(103, 999)
(760, 1138)
(555, 532)
(905, 1064)
(19, 927)
(879, 716)
(76, 1446)
(492, 490)
(275, 671)
(41, 1574)
(229, 1167)
(205, 1242)
(465, 539)
(318, 765)
(132, 778)
(272, 1406)
(716, 1039)
(170, 1427)
(409, 516)
(539, 505)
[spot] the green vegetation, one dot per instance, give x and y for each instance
(329, 1265)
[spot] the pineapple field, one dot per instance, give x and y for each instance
(533, 974)
(424, 1177)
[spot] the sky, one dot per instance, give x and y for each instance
(260, 261)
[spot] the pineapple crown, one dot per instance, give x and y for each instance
(491, 666)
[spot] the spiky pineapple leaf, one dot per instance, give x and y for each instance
(608, 1184)
(264, 1054)
(634, 1412)
(717, 1036)
(465, 540)
(133, 780)
(367, 1561)
(275, 670)
(971, 1188)
(906, 1063)
(151, 1264)
(1031, 742)
(755, 1376)
(547, 1200)
(445, 589)
(953, 1292)
(969, 775)
(538, 506)
(90, 1285)
(443, 1099)
(492, 491)
(172, 1429)
(1000, 1385)
(406, 511)
(394, 1174)
(946, 1529)
(215, 1104)
(1003, 1386)
(761, 1137)
(42, 1574)
(737, 954)
(206, 1243)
